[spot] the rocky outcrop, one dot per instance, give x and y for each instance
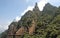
(20, 31)
(36, 24)
(32, 28)
(13, 32)
(12, 28)
(16, 29)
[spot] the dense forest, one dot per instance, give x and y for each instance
(36, 24)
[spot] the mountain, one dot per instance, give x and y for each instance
(36, 24)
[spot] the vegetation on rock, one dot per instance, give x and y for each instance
(38, 24)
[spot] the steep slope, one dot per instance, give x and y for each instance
(36, 24)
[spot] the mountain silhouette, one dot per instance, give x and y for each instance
(36, 24)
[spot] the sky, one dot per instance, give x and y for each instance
(12, 10)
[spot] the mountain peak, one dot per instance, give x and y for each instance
(36, 7)
(49, 5)
(36, 23)
(49, 8)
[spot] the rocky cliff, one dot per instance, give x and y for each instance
(36, 24)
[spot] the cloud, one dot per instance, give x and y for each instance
(2, 28)
(41, 4)
(5, 26)
(17, 18)
(28, 8)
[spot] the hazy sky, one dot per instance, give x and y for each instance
(14, 9)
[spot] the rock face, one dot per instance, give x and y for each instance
(36, 24)
(14, 33)
(12, 28)
(32, 28)
(20, 31)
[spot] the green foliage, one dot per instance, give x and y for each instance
(3, 34)
(47, 22)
